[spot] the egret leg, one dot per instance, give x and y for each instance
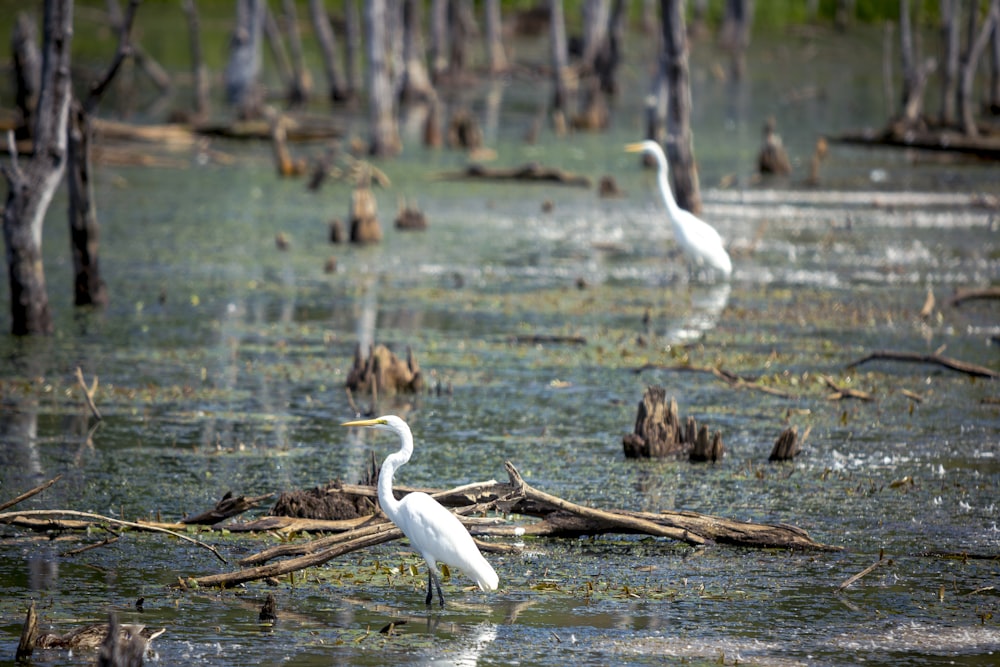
(432, 581)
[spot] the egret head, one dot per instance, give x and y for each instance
(390, 423)
(647, 146)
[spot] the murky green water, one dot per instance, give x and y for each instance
(222, 363)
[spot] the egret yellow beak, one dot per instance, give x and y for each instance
(365, 422)
(633, 148)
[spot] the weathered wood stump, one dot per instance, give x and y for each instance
(464, 131)
(328, 504)
(365, 227)
(336, 231)
(384, 372)
(787, 446)
(410, 218)
(773, 158)
(659, 432)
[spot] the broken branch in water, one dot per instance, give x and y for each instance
(882, 560)
(963, 295)
(840, 393)
(935, 358)
(28, 494)
(12, 518)
(88, 393)
(732, 379)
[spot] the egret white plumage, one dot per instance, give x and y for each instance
(434, 532)
(701, 244)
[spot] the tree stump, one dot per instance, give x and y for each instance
(410, 218)
(464, 131)
(786, 447)
(327, 504)
(365, 227)
(383, 372)
(659, 432)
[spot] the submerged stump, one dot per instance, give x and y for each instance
(787, 446)
(659, 432)
(326, 504)
(383, 372)
(365, 227)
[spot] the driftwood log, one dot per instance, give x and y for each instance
(963, 295)
(935, 358)
(659, 432)
(228, 506)
(382, 372)
(529, 172)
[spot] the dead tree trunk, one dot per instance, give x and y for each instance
(994, 96)
(198, 69)
(951, 38)
(463, 30)
(328, 44)
(352, 36)
(416, 85)
(562, 77)
(243, 68)
(966, 103)
(279, 53)
(439, 39)
(27, 73)
(908, 62)
(381, 113)
(301, 84)
(496, 55)
(30, 189)
(735, 34)
(680, 150)
(88, 287)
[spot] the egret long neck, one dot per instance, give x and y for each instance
(388, 501)
(663, 176)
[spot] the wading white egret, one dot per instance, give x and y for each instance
(700, 242)
(435, 533)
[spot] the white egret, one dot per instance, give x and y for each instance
(435, 533)
(700, 242)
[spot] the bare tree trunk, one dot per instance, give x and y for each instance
(88, 287)
(656, 108)
(496, 56)
(301, 85)
(735, 35)
(416, 85)
(951, 38)
(463, 30)
(328, 44)
(994, 97)
(276, 43)
(352, 20)
(966, 104)
(30, 189)
(27, 72)
(243, 68)
(382, 114)
(563, 78)
(680, 150)
(439, 39)
(198, 68)
(906, 51)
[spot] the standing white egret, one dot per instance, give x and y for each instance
(700, 242)
(435, 533)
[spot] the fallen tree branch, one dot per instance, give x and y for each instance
(228, 506)
(865, 572)
(88, 393)
(732, 379)
(28, 494)
(385, 532)
(12, 517)
(840, 393)
(939, 359)
(617, 520)
(963, 295)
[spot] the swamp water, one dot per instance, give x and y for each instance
(222, 363)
